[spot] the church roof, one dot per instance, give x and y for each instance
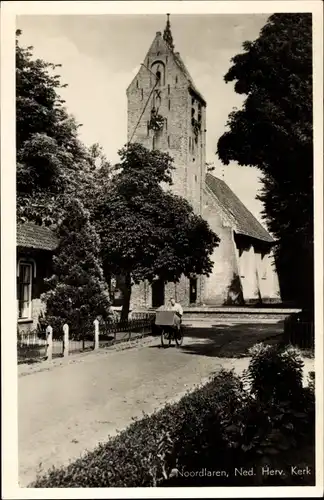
(37, 237)
(243, 220)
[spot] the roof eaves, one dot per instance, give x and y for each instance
(256, 230)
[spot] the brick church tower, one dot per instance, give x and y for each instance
(166, 112)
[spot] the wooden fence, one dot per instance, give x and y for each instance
(47, 344)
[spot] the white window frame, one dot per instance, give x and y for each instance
(32, 266)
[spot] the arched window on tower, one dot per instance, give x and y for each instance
(158, 69)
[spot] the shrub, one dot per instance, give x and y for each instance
(219, 426)
(275, 373)
(279, 414)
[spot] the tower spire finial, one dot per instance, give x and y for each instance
(167, 35)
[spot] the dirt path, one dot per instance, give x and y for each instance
(71, 408)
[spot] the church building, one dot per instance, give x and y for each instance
(166, 111)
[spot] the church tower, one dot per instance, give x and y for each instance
(166, 112)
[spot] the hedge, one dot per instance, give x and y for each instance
(220, 426)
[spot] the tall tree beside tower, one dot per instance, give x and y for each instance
(273, 132)
(147, 232)
(52, 162)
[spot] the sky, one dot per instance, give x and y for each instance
(101, 54)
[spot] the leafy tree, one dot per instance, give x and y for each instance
(77, 292)
(145, 231)
(51, 161)
(273, 132)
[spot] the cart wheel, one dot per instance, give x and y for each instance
(179, 337)
(165, 340)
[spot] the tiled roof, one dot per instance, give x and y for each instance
(243, 220)
(38, 237)
(184, 70)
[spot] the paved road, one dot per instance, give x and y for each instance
(72, 407)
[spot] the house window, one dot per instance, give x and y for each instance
(24, 290)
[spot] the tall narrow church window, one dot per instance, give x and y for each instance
(169, 104)
(168, 140)
(136, 83)
(157, 293)
(176, 79)
(153, 142)
(166, 124)
(158, 68)
(169, 89)
(193, 290)
(190, 144)
(142, 94)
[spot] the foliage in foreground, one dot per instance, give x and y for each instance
(221, 426)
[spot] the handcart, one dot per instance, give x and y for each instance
(171, 328)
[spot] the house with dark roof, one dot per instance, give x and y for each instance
(35, 247)
(244, 270)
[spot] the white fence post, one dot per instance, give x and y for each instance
(65, 340)
(49, 339)
(96, 334)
